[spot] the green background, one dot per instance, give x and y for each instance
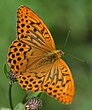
(60, 16)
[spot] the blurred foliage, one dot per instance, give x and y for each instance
(60, 16)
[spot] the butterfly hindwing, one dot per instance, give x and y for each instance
(33, 79)
(17, 56)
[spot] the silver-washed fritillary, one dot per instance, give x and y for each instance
(35, 61)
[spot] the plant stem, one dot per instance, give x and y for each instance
(10, 96)
(25, 97)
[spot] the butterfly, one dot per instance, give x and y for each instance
(34, 60)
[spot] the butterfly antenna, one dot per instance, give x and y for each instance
(71, 54)
(77, 58)
(67, 38)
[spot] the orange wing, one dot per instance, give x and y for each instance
(33, 41)
(59, 82)
(32, 30)
(21, 56)
(55, 79)
(33, 79)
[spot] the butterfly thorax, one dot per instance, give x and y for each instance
(54, 55)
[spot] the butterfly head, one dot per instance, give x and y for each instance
(61, 53)
(58, 53)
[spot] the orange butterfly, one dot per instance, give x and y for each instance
(35, 61)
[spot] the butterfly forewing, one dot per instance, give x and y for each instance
(59, 83)
(32, 30)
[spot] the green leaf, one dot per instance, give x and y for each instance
(40, 94)
(35, 94)
(19, 106)
(5, 109)
(6, 69)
